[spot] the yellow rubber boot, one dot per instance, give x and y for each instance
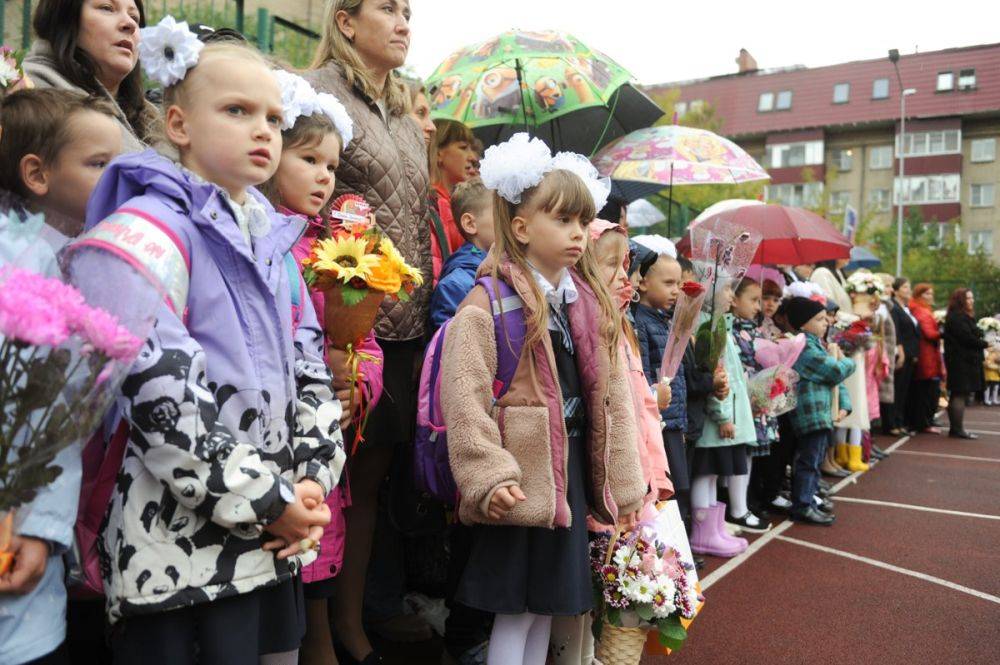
(854, 463)
(841, 456)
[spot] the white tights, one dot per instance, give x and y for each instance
(519, 638)
(850, 436)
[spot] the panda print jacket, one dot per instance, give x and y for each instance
(226, 407)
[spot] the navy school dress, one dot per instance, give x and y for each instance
(517, 569)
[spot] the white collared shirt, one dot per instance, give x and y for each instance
(556, 296)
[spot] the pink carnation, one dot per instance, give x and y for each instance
(27, 314)
(103, 331)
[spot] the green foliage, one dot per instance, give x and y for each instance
(351, 295)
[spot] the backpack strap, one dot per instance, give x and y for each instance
(438, 226)
(510, 329)
(434, 419)
(149, 246)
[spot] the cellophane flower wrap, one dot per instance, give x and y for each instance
(682, 325)
(67, 339)
(991, 329)
(721, 252)
(641, 582)
(12, 76)
(772, 390)
(852, 334)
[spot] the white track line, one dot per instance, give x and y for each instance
(926, 509)
(950, 456)
(895, 569)
(983, 431)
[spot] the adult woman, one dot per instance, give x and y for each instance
(451, 161)
(963, 357)
(386, 163)
(420, 109)
(92, 47)
(887, 388)
(908, 341)
(926, 386)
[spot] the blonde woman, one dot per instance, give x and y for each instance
(386, 163)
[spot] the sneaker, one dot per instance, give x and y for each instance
(781, 503)
(750, 523)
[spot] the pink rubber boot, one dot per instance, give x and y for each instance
(719, 516)
(705, 538)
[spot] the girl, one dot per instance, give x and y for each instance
(746, 307)
(770, 300)
(991, 373)
(722, 451)
(301, 187)
(451, 158)
(233, 432)
(530, 496)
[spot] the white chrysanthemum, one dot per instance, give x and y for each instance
(639, 590)
(625, 557)
(515, 165)
(337, 113)
(8, 73)
(600, 188)
(167, 50)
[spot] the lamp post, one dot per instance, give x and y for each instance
(903, 94)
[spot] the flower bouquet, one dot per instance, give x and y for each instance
(681, 328)
(721, 253)
(991, 329)
(62, 358)
(852, 337)
(640, 583)
(12, 76)
(772, 391)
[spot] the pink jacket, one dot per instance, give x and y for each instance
(331, 552)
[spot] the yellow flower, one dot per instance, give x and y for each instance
(342, 259)
(385, 277)
(407, 273)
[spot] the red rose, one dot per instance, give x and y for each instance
(778, 388)
(692, 289)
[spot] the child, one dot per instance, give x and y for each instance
(722, 451)
(452, 156)
(302, 186)
(54, 146)
(991, 372)
(770, 300)
(472, 206)
(529, 494)
(234, 436)
(821, 371)
(746, 308)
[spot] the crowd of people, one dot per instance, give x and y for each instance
(241, 529)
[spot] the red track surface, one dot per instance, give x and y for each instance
(789, 603)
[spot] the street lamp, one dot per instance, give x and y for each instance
(903, 94)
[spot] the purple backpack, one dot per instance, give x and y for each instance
(431, 468)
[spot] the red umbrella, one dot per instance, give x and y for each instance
(790, 236)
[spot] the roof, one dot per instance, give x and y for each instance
(735, 96)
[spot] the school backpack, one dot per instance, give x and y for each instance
(431, 468)
(162, 252)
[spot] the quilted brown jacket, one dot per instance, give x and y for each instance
(386, 163)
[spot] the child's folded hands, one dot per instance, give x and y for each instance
(300, 526)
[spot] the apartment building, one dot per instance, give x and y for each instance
(830, 135)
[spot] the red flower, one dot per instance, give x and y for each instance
(778, 388)
(692, 289)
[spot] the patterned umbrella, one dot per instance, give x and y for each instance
(650, 159)
(550, 83)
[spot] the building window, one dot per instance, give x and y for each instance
(839, 201)
(923, 189)
(880, 157)
(984, 150)
(966, 79)
(880, 89)
(844, 159)
(945, 81)
(879, 200)
(841, 93)
(785, 155)
(766, 102)
(784, 100)
(942, 230)
(803, 195)
(696, 105)
(981, 242)
(982, 196)
(922, 144)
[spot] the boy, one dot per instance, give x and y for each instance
(471, 207)
(53, 148)
(821, 370)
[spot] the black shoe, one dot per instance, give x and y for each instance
(813, 516)
(699, 561)
(345, 658)
(822, 492)
(962, 435)
(825, 486)
(826, 506)
(750, 522)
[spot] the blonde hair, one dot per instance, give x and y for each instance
(335, 46)
(620, 243)
(561, 192)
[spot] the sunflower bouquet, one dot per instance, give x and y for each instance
(356, 267)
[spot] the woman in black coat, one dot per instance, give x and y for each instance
(908, 338)
(963, 357)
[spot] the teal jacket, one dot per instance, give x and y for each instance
(735, 408)
(819, 375)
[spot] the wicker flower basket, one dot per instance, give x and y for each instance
(621, 646)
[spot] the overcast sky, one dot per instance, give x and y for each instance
(674, 40)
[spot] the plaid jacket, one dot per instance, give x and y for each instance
(818, 375)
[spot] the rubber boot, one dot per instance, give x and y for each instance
(720, 522)
(841, 457)
(705, 538)
(855, 464)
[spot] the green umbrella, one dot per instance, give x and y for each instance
(549, 83)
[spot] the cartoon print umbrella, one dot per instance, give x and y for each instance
(548, 83)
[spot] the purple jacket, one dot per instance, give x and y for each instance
(226, 408)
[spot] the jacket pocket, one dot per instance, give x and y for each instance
(524, 431)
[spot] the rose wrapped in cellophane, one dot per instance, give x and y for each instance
(772, 391)
(67, 340)
(682, 325)
(721, 253)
